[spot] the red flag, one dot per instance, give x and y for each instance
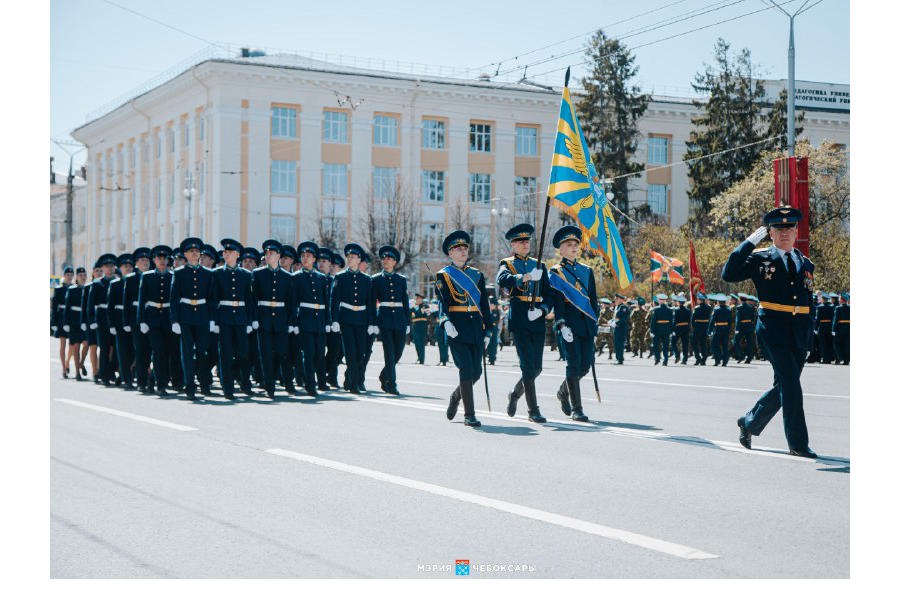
(697, 284)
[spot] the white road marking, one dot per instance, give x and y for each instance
(621, 535)
(127, 415)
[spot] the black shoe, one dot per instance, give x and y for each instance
(454, 403)
(162, 393)
(228, 395)
(361, 387)
(745, 438)
(191, 395)
(513, 398)
(562, 394)
(536, 416)
(354, 390)
(717, 364)
(472, 422)
(247, 390)
(666, 363)
(270, 394)
(684, 362)
(392, 389)
(747, 362)
(324, 387)
(577, 415)
(78, 377)
(804, 452)
(128, 387)
(83, 372)
(311, 391)
(656, 362)
(205, 390)
(724, 364)
(290, 389)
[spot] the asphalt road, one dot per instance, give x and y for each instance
(380, 486)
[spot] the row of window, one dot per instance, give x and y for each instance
(385, 131)
(117, 161)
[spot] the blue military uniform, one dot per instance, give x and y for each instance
(392, 299)
(824, 315)
(233, 310)
(154, 319)
(57, 302)
(190, 305)
(71, 314)
(576, 309)
(250, 259)
(120, 324)
(419, 326)
(744, 326)
(140, 343)
(527, 322)
(212, 349)
(719, 327)
(353, 309)
(90, 334)
(98, 321)
(334, 345)
(311, 294)
(682, 330)
(466, 318)
(840, 331)
(661, 322)
(784, 284)
(621, 326)
(700, 317)
(495, 333)
(274, 297)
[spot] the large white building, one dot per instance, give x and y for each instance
(293, 148)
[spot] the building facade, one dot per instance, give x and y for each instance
(82, 256)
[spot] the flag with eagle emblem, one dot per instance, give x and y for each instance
(576, 190)
(663, 268)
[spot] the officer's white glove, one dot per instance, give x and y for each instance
(535, 274)
(127, 328)
(93, 326)
(249, 328)
(450, 329)
(255, 324)
(112, 330)
(296, 330)
(757, 236)
(335, 327)
(84, 326)
(487, 341)
(53, 328)
(328, 329)
(373, 330)
(290, 329)
(212, 326)
(176, 328)
(534, 314)
(407, 330)
(566, 333)
(66, 328)
(216, 330)
(145, 328)
(652, 335)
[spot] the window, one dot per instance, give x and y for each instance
(384, 183)
(433, 134)
(284, 122)
(335, 129)
(479, 137)
(480, 187)
(526, 141)
(384, 131)
(433, 186)
(525, 197)
(284, 177)
(657, 150)
(334, 181)
(284, 229)
(658, 199)
(480, 239)
(432, 238)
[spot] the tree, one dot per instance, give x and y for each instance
(391, 216)
(777, 118)
(331, 229)
(730, 119)
(609, 112)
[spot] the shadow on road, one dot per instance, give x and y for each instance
(516, 430)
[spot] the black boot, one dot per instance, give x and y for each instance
(513, 397)
(468, 398)
(534, 413)
(562, 394)
(575, 395)
(454, 403)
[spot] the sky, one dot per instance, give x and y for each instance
(100, 51)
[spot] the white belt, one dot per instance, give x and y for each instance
(135, 303)
(231, 302)
(100, 306)
(159, 305)
(75, 308)
(272, 304)
(192, 301)
(312, 306)
(392, 304)
(60, 307)
(353, 306)
(119, 307)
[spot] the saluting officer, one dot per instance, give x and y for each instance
(98, 319)
(576, 308)
(57, 305)
(419, 318)
(682, 329)
(311, 293)
(620, 324)
(392, 321)
(840, 330)
(154, 318)
(466, 318)
(783, 278)
(120, 327)
(71, 323)
(519, 274)
(274, 296)
(699, 326)
(353, 314)
(233, 312)
(661, 320)
(190, 305)
(141, 345)
(719, 325)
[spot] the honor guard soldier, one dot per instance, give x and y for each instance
(208, 258)
(98, 319)
(682, 329)
(840, 330)
(274, 296)
(287, 262)
(744, 326)
(140, 343)
(392, 320)
(620, 323)
(153, 316)
(324, 260)
(419, 319)
(311, 293)
(353, 314)
(334, 344)
(178, 259)
(466, 318)
(374, 332)
(288, 258)
(250, 261)
(120, 326)
(824, 314)
(57, 306)
(784, 279)
(699, 327)
(661, 321)
(719, 325)
(519, 275)
(233, 312)
(71, 323)
(190, 306)
(575, 307)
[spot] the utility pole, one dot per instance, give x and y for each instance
(189, 192)
(70, 199)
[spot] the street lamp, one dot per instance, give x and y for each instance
(189, 193)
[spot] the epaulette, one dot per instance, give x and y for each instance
(179, 268)
(758, 250)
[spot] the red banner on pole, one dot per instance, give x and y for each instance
(697, 284)
(792, 189)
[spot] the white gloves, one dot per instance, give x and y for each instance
(328, 329)
(757, 236)
(296, 329)
(487, 341)
(145, 328)
(53, 328)
(335, 327)
(84, 326)
(112, 330)
(407, 330)
(534, 314)
(176, 328)
(652, 334)
(66, 328)
(535, 274)
(216, 330)
(127, 328)
(612, 324)
(566, 333)
(450, 328)
(212, 326)
(93, 326)
(249, 328)
(255, 324)
(372, 330)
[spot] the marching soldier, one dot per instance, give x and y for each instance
(783, 279)
(295, 371)
(840, 330)
(620, 322)
(699, 327)
(419, 319)
(57, 306)
(233, 312)
(353, 314)
(120, 326)
(392, 321)
(189, 304)
(527, 316)
(208, 258)
(682, 329)
(311, 294)
(606, 339)
(334, 342)
(575, 308)
(154, 317)
(89, 332)
(98, 320)
(250, 261)
(140, 343)
(71, 324)
(719, 325)
(744, 326)
(824, 315)
(323, 265)
(661, 320)
(372, 332)
(274, 298)
(466, 318)
(440, 338)
(639, 328)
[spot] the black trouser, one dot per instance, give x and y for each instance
(720, 347)
(141, 356)
(393, 342)
(254, 364)
(125, 353)
(841, 343)
(106, 349)
(467, 358)
(662, 338)
(698, 342)
(418, 336)
(620, 334)
(442, 341)
(367, 354)
(334, 348)
(786, 394)
(826, 345)
(162, 349)
(529, 345)
(194, 346)
(273, 354)
(355, 342)
(680, 343)
(312, 353)
(295, 357)
(750, 338)
(212, 357)
(579, 356)
(233, 351)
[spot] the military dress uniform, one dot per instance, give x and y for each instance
(57, 304)
(419, 326)
(312, 297)
(466, 319)
(681, 331)
(745, 326)
(700, 317)
(334, 344)
(154, 319)
(527, 323)
(71, 314)
(233, 310)
(621, 321)
(783, 282)
(840, 331)
(824, 315)
(140, 343)
(120, 324)
(719, 326)
(98, 321)
(392, 300)
(495, 335)
(661, 322)
(250, 259)
(353, 310)
(273, 294)
(190, 306)
(212, 349)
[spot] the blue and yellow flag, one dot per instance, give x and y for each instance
(575, 189)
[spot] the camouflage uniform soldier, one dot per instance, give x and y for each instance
(605, 338)
(640, 329)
